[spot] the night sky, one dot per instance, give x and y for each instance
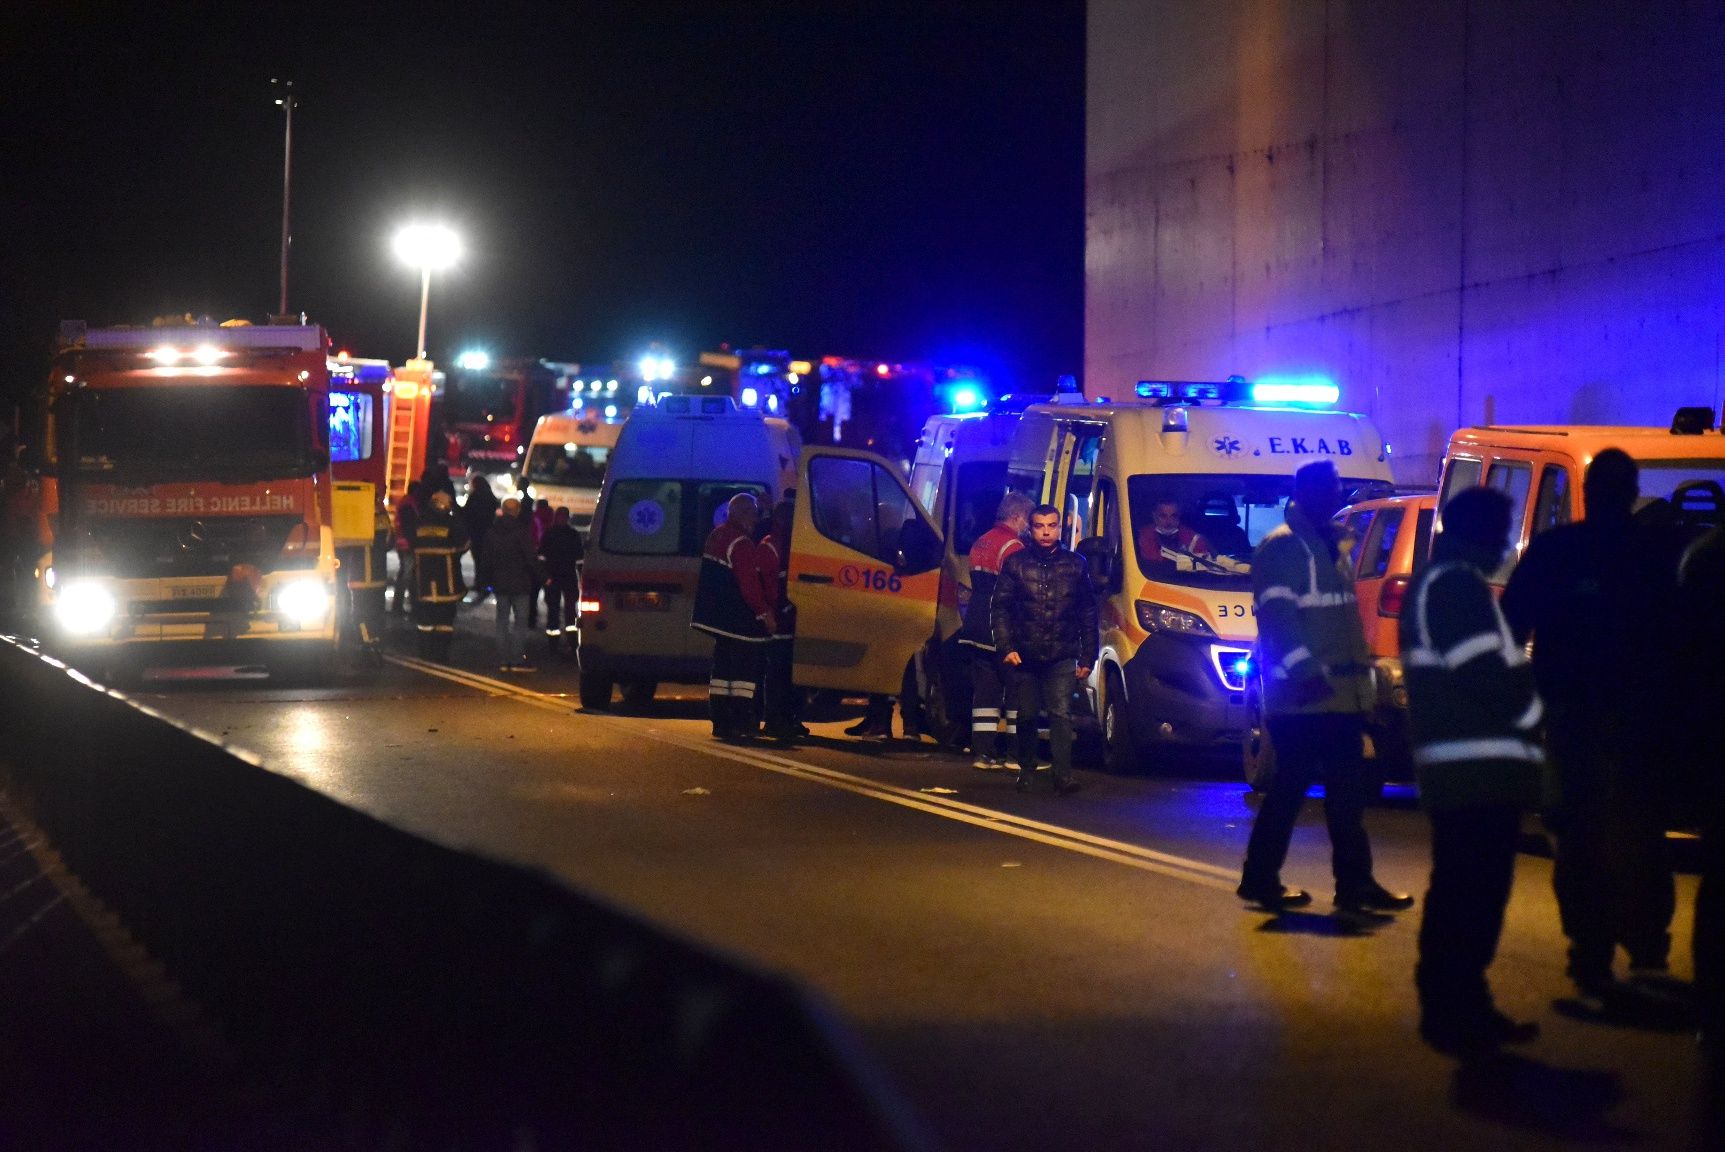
(891, 179)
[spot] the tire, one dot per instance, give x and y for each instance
(596, 691)
(1258, 756)
(637, 694)
(938, 713)
(1119, 753)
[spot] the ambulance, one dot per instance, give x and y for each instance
(566, 461)
(676, 465)
(958, 476)
(1212, 465)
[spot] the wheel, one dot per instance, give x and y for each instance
(1119, 754)
(637, 694)
(596, 691)
(938, 711)
(1258, 756)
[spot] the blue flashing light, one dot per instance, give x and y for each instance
(1316, 391)
(968, 398)
(751, 397)
(1242, 667)
(761, 368)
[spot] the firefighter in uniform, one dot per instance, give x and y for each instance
(732, 606)
(1474, 711)
(438, 587)
(1317, 691)
(990, 686)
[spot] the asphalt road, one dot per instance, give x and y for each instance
(1033, 972)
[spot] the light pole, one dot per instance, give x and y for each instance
(426, 246)
(286, 102)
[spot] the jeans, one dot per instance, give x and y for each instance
(512, 627)
(1046, 686)
(1329, 745)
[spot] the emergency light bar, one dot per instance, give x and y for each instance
(1306, 391)
(308, 338)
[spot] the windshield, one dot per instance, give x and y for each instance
(473, 399)
(568, 465)
(189, 431)
(1201, 530)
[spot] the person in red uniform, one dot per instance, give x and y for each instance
(990, 697)
(732, 606)
(1166, 534)
(773, 558)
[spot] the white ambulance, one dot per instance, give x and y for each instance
(676, 464)
(566, 461)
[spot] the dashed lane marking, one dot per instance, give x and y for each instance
(1070, 839)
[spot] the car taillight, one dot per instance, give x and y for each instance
(1390, 600)
(587, 607)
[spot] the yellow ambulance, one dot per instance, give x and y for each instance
(1167, 495)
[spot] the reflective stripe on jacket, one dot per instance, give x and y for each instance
(1472, 704)
(1308, 623)
(987, 556)
(729, 600)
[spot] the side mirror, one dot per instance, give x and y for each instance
(1103, 556)
(919, 548)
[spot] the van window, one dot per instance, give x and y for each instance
(1080, 476)
(1551, 507)
(1513, 478)
(1354, 528)
(1222, 518)
(1662, 477)
(858, 504)
(981, 484)
(1463, 473)
(925, 484)
(666, 517)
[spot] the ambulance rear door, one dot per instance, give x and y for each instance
(864, 572)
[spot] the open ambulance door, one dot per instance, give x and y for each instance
(864, 572)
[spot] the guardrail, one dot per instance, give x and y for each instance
(445, 1000)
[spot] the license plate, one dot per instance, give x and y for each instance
(644, 601)
(188, 592)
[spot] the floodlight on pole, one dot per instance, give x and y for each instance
(426, 246)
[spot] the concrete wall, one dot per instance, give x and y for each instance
(1458, 209)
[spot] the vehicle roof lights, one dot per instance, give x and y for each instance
(1316, 391)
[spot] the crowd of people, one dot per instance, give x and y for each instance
(524, 552)
(1600, 730)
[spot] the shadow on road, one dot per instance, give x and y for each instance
(1338, 924)
(1519, 1092)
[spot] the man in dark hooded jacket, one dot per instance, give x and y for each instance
(478, 514)
(515, 575)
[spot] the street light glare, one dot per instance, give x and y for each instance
(431, 246)
(474, 360)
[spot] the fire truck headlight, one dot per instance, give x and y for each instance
(302, 601)
(84, 607)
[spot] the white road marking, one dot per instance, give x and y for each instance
(1101, 847)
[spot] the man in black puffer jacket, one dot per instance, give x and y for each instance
(1044, 618)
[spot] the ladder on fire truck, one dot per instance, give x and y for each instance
(409, 415)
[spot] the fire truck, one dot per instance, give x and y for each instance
(378, 422)
(488, 414)
(187, 496)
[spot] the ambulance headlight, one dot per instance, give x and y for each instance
(1153, 617)
(302, 601)
(84, 607)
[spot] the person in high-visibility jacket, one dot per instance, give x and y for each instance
(1473, 710)
(732, 606)
(438, 585)
(1316, 672)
